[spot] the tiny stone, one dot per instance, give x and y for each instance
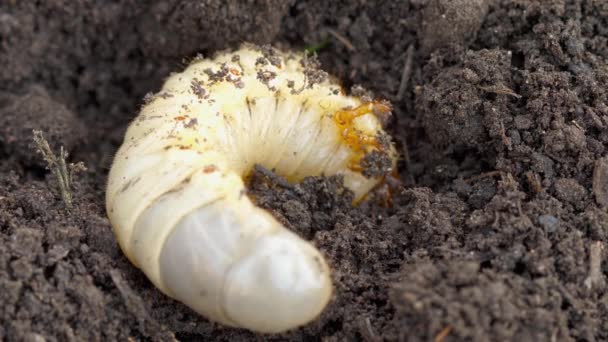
(549, 222)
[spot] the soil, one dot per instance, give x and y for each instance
(495, 231)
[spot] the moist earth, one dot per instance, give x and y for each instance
(494, 230)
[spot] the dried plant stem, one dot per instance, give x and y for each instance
(63, 172)
(407, 71)
(595, 278)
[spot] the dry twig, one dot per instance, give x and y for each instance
(135, 305)
(341, 39)
(595, 278)
(367, 331)
(600, 182)
(407, 71)
(443, 334)
(500, 89)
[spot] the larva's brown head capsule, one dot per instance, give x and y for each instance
(176, 196)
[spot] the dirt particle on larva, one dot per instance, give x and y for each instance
(384, 140)
(359, 91)
(271, 54)
(233, 77)
(376, 164)
(261, 61)
(219, 75)
(192, 123)
(148, 98)
(312, 71)
(197, 89)
(265, 76)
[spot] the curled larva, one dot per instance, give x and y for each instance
(176, 196)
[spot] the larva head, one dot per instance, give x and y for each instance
(267, 279)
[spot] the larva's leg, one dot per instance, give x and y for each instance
(357, 141)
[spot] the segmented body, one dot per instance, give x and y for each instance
(176, 196)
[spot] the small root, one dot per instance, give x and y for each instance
(136, 307)
(595, 278)
(600, 182)
(443, 334)
(367, 331)
(407, 71)
(342, 39)
(273, 177)
(484, 175)
(500, 89)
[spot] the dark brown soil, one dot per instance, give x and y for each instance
(497, 232)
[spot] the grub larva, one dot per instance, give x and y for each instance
(176, 196)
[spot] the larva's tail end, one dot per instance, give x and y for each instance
(283, 283)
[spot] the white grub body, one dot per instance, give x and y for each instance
(177, 201)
